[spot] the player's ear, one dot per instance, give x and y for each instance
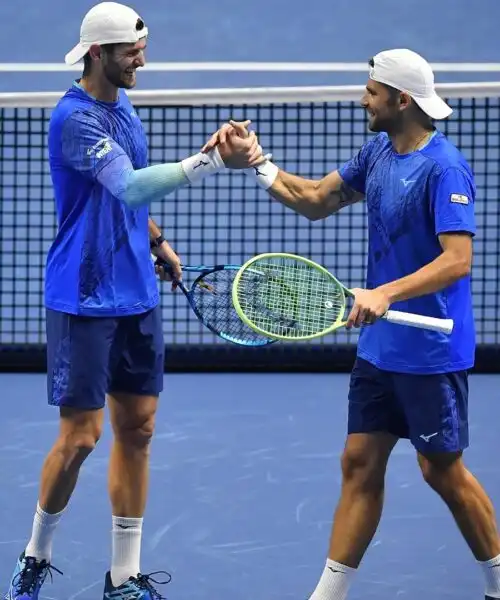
(404, 101)
(95, 52)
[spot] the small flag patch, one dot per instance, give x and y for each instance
(459, 199)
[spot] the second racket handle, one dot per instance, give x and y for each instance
(421, 321)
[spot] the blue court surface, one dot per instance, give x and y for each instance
(245, 468)
(245, 476)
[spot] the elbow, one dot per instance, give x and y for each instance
(315, 206)
(461, 268)
(125, 191)
(312, 212)
(313, 215)
(132, 194)
(326, 210)
(464, 268)
(133, 201)
(457, 256)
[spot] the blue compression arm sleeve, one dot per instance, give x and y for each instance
(152, 183)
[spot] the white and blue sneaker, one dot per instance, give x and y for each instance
(28, 578)
(135, 588)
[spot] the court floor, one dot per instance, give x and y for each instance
(245, 476)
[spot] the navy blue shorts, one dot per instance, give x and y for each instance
(88, 357)
(430, 410)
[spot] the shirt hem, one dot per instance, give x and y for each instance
(415, 369)
(121, 311)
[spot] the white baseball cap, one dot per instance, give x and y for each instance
(409, 72)
(107, 23)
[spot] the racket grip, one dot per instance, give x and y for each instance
(421, 321)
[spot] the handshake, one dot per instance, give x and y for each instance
(232, 147)
(237, 147)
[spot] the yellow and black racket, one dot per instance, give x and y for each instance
(289, 297)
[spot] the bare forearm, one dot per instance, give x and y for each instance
(310, 198)
(297, 193)
(154, 230)
(435, 276)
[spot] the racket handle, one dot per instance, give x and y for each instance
(431, 323)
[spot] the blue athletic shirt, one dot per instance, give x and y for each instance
(99, 263)
(411, 199)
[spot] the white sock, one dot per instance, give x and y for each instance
(334, 583)
(491, 570)
(126, 545)
(42, 534)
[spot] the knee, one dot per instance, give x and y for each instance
(362, 470)
(78, 439)
(445, 474)
(136, 432)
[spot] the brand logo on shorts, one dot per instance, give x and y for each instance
(427, 438)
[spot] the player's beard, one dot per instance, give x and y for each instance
(386, 118)
(378, 123)
(118, 76)
(387, 123)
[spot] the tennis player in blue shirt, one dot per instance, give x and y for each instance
(104, 330)
(406, 382)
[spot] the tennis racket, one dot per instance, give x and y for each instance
(288, 297)
(209, 296)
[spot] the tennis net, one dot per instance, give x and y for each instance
(310, 132)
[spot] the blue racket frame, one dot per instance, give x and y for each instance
(188, 292)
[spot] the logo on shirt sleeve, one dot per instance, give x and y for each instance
(101, 148)
(459, 199)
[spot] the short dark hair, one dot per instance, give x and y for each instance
(87, 61)
(87, 64)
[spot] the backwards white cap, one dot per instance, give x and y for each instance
(107, 23)
(409, 72)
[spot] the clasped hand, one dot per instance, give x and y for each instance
(238, 147)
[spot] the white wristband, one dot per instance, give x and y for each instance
(264, 174)
(202, 165)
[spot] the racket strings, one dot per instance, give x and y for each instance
(289, 297)
(212, 298)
